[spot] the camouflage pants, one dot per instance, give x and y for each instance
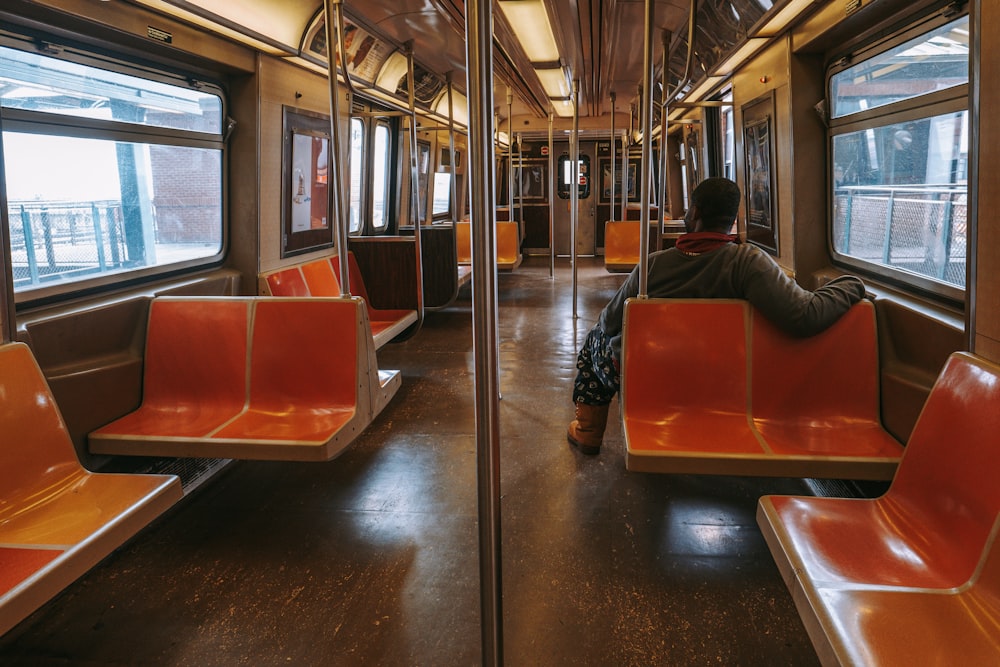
(597, 377)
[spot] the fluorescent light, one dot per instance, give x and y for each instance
(563, 108)
(703, 88)
(785, 15)
(750, 47)
(530, 22)
(554, 81)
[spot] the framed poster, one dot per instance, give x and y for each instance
(424, 174)
(632, 194)
(759, 173)
(305, 186)
(532, 182)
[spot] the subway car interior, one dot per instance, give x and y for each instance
(296, 296)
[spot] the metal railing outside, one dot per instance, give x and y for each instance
(921, 229)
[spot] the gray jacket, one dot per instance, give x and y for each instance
(736, 271)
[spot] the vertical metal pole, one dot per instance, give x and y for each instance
(453, 194)
(647, 123)
(625, 140)
(552, 203)
(8, 318)
(510, 154)
(336, 193)
(415, 179)
(574, 186)
(520, 190)
(611, 206)
(665, 39)
(479, 57)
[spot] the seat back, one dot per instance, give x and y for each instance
(320, 278)
(621, 242)
(949, 467)
(36, 444)
(508, 250)
(463, 241)
(284, 282)
(682, 355)
(196, 351)
(294, 361)
(805, 377)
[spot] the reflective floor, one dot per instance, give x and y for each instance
(372, 559)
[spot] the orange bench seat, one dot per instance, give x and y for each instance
(710, 387)
(57, 519)
(318, 278)
(252, 378)
(875, 580)
(507, 246)
(621, 244)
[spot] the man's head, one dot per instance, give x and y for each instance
(714, 205)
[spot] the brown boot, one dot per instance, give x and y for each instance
(587, 431)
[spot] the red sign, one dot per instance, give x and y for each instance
(545, 150)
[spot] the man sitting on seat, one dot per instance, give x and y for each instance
(707, 262)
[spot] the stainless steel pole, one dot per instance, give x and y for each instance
(453, 190)
(338, 206)
(647, 124)
(574, 187)
(662, 200)
(415, 180)
(611, 207)
(552, 204)
(479, 61)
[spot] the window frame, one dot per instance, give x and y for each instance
(15, 120)
(923, 107)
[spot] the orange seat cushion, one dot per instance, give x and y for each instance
(684, 378)
(309, 379)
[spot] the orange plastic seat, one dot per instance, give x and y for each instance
(915, 626)
(386, 323)
(287, 394)
(508, 248)
(304, 395)
(285, 282)
(705, 391)
(929, 528)
(320, 279)
(463, 241)
(815, 400)
(684, 386)
(928, 531)
(57, 519)
(194, 376)
(621, 245)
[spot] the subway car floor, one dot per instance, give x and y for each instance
(372, 558)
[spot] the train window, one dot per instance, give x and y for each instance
(566, 177)
(441, 204)
(935, 60)
(380, 178)
(107, 173)
(357, 153)
(727, 137)
(899, 159)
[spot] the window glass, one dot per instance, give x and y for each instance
(103, 174)
(728, 139)
(899, 178)
(357, 152)
(380, 178)
(933, 61)
(35, 82)
(84, 207)
(900, 196)
(441, 204)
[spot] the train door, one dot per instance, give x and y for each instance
(586, 214)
